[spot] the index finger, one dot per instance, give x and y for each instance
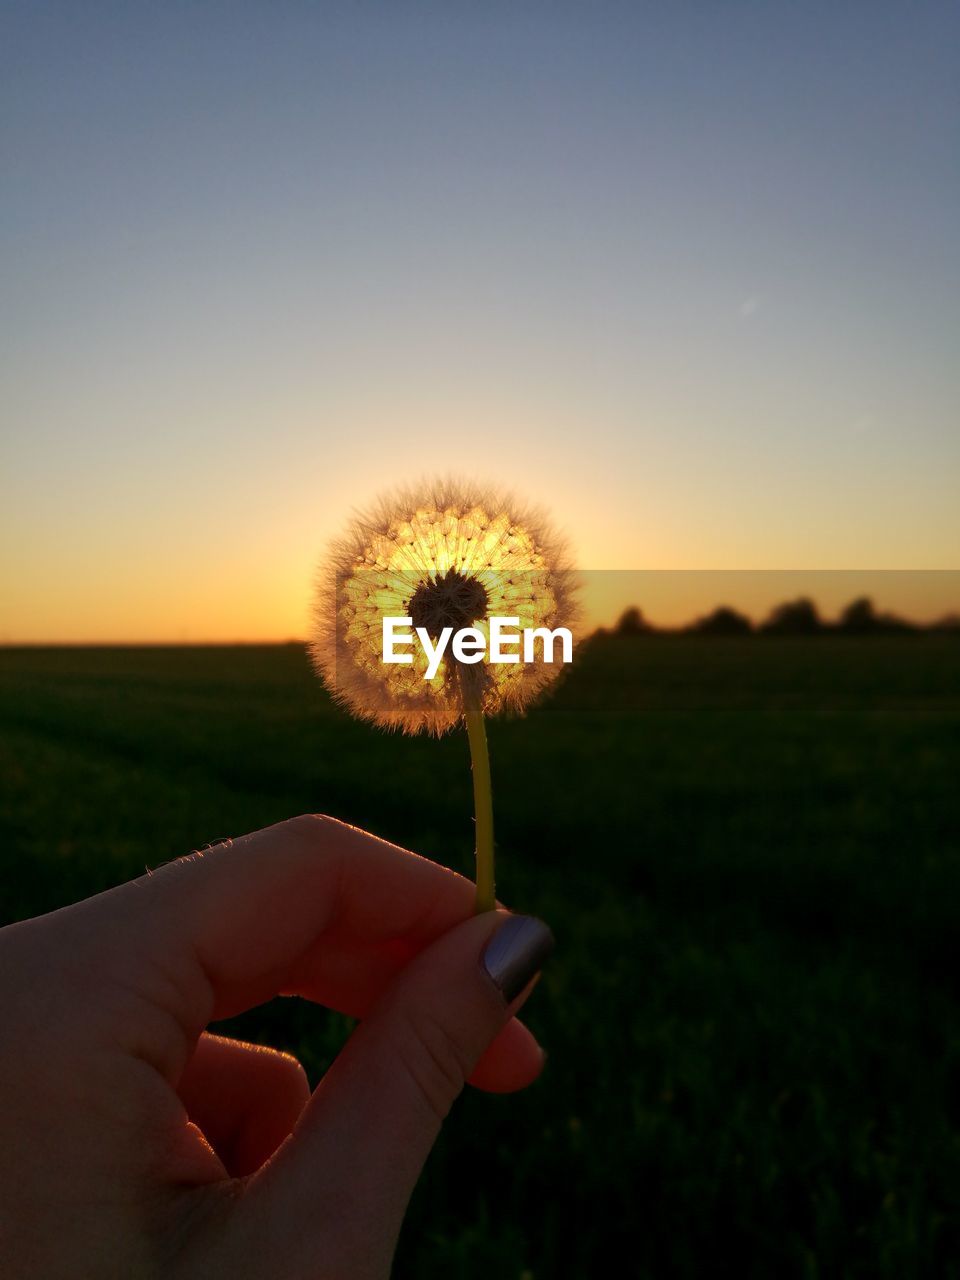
(254, 905)
(221, 930)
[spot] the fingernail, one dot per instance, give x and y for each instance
(515, 953)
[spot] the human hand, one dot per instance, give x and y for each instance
(136, 1145)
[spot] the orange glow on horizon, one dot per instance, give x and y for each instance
(274, 609)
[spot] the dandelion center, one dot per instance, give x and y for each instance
(452, 599)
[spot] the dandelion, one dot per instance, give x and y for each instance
(445, 555)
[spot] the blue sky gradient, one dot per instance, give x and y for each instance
(687, 274)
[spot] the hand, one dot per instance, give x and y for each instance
(135, 1144)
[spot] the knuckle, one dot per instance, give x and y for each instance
(312, 828)
(434, 1060)
(306, 823)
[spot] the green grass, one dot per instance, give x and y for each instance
(750, 853)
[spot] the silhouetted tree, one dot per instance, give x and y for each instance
(633, 623)
(724, 621)
(794, 618)
(860, 618)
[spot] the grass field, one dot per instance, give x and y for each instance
(749, 851)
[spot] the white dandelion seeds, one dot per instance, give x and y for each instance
(446, 553)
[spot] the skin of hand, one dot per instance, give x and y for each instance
(137, 1145)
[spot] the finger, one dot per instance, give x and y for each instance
(245, 1098)
(252, 908)
(511, 1062)
(342, 1182)
(221, 931)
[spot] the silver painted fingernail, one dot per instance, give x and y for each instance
(516, 952)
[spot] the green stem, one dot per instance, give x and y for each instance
(482, 797)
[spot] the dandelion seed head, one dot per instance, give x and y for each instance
(446, 554)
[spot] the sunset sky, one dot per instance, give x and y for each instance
(688, 275)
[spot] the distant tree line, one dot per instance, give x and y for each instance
(793, 618)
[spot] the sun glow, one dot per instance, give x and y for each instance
(453, 557)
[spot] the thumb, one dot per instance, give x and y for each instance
(337, 1192)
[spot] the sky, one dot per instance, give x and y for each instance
(687, 275)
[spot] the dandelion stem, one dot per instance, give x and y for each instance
(482, 797)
